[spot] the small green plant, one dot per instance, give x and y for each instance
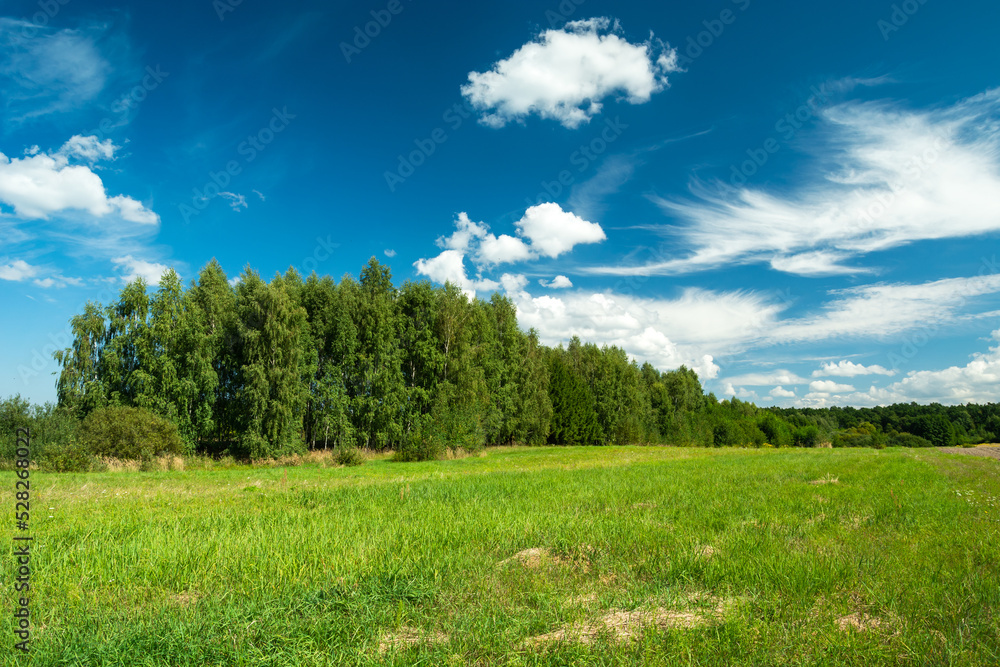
(129, 433)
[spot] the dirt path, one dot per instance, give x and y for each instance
(992, 451)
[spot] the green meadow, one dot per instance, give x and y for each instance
(523, 556)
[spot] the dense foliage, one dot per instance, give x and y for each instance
(262, 370)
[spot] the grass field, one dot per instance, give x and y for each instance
(546, 556)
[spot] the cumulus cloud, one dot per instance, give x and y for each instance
(889, 176)
(976, 382)
(781, 392)
(829, 387)
(544, 231)
(17, 271)
(449, 266)
(692, 329)
(849, 369)
(39, 185)
(553, 231)
(133, 268)
(559, 282)
(565, 74)
(502, 249)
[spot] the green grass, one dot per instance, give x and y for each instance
(316, 566)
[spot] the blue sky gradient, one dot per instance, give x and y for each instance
(800, 201)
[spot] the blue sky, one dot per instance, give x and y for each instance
(801, 201)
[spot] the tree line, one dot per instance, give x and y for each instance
(264, 369)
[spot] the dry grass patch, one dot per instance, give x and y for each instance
(829, 479)
(620, 625)
(707, 551)
(119, 465)
(185, 599)
(405, 637)
(859, 622)
(537, 557)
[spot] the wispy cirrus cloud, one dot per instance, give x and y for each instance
(891, 176)
(53, 72)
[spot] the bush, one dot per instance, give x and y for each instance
(349, 456)
(862, 435)
(806, 436)
(129, 433)
(908, 440)
(424, 443)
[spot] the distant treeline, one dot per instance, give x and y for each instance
(263, 370)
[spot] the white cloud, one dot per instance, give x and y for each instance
(235, 201)
(42, 184)
(559, 282)
(449, 266)
(829, 387)
(976, 382)
(849, 369)
(781, 377)
(465, 234)
(884, 309)
(889, 176)
(88, 148)
(565, 74)
(544, 231)
(502, 249)
(692, 329)
(53, 72)
(389, 252)
(781, 392)
(17, 271)
(553, 231)
(133, 268)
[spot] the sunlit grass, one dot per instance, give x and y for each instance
(623, 555)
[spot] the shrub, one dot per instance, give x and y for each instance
(349, 456)
(129, 433)
(908, 440)
(423, 443)
(862, 435)
(806, 436)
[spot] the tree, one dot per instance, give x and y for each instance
(269, 390)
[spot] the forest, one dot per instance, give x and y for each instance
(258, 370)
